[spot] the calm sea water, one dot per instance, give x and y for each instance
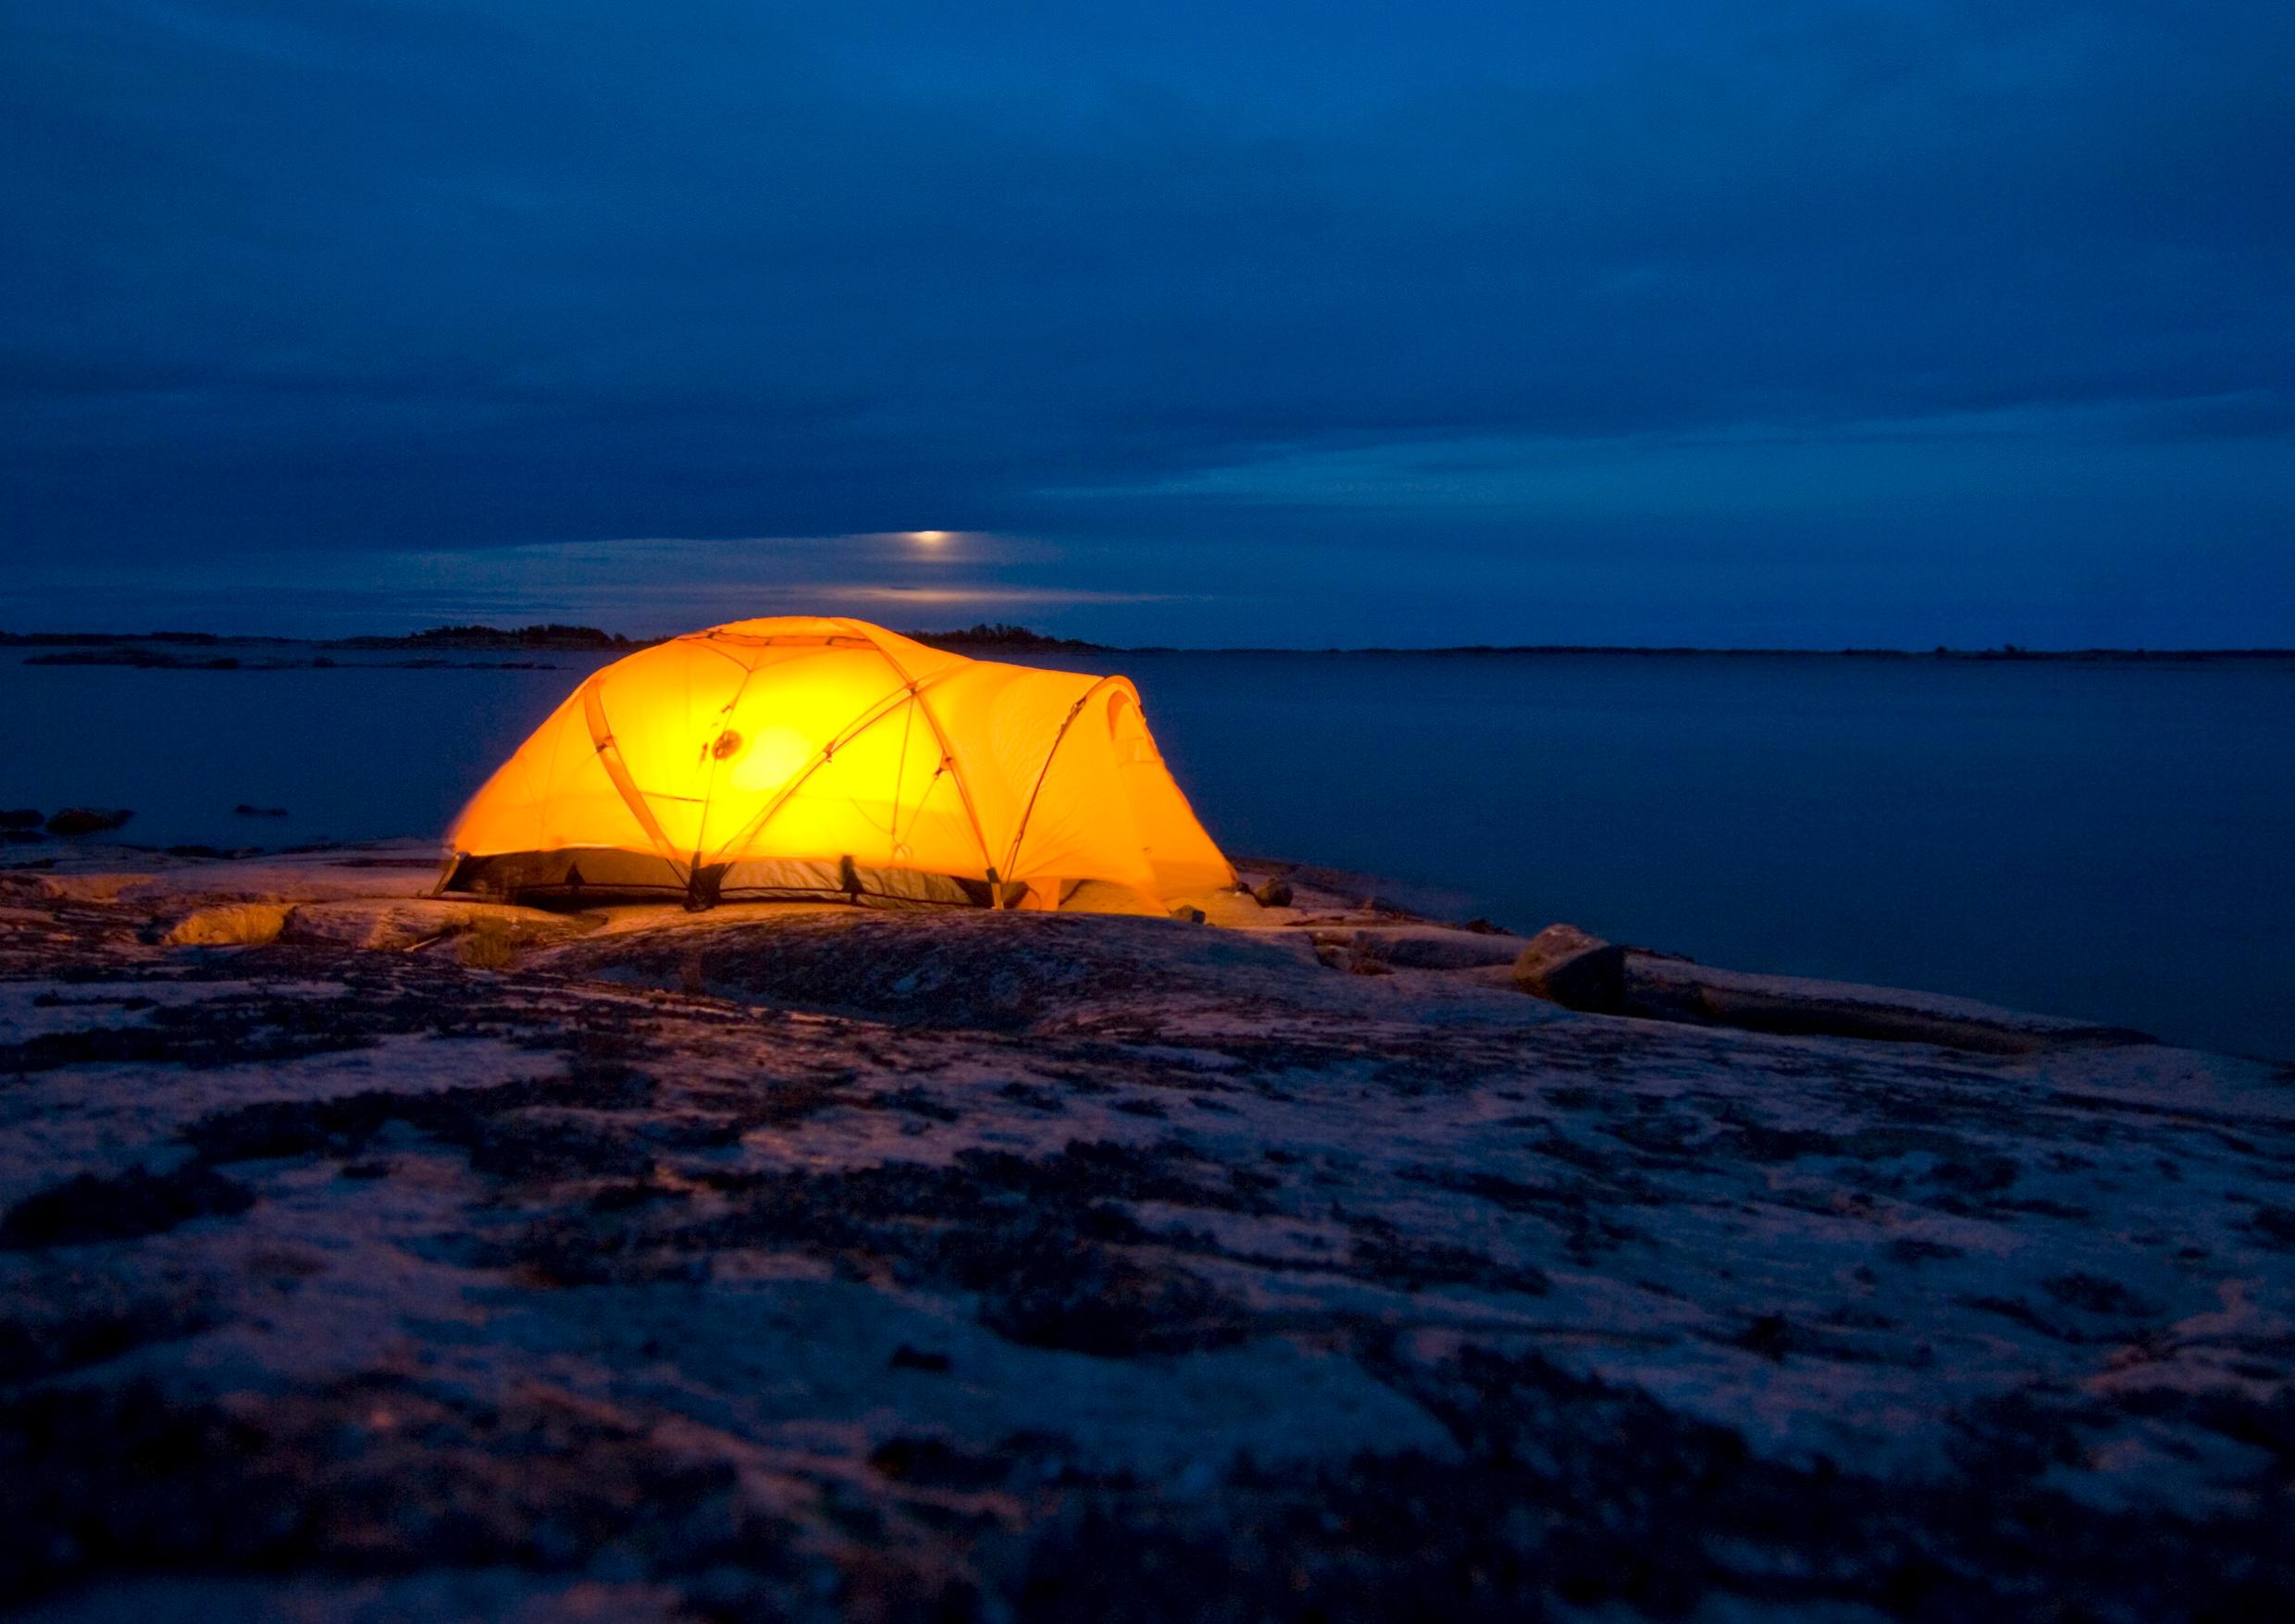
(2112, 840)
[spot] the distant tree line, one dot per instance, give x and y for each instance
(553, 635)
(1008, 639)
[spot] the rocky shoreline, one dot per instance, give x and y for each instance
(366, 1255)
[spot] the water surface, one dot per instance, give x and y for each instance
(2114, 841)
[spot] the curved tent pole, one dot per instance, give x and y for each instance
(709, 788)
(710, 640)
(610, 757)
(948, 753)
(868, 719)
(1011, 858)
(901, 782)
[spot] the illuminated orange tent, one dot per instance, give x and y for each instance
(799, 757)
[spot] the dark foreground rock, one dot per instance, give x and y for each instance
(424, 1262)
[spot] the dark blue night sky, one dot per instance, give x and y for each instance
(1733, 323)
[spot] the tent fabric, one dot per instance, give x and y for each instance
(799, 756)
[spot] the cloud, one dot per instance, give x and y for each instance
(634, 585)
(415, 277)
(1783, 470)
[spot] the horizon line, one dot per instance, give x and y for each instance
(1023, 638)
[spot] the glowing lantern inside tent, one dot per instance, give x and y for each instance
(799, 757)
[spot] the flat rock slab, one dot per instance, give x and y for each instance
(1676, 989)
(813, 1262)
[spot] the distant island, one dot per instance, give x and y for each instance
(586, 639)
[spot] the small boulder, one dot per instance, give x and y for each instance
(234, 924)
(22, 817)
(1576, 971)
(1227, 908)
(1274, 892)
(88, 819)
